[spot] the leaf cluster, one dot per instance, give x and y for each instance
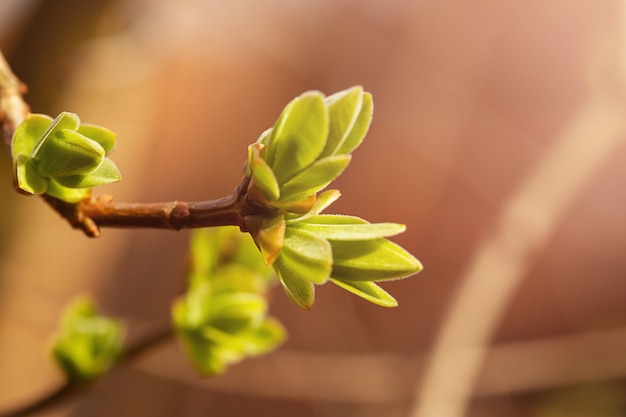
(223, 317)
(87, 343)
(307, 148)
(62, 157)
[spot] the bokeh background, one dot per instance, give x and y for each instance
(499, 138)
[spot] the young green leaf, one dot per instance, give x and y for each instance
(344, 108)
(340, 227)
(102, 135)
(298, 137)
(27, 177)
(306, 255)
(369, 291)
(64, 121)
(265, 338)
(28, 133)
(70, 195)
(87, 344)
(68, 153)
(106, 173)
(262, 175)
(233, 312)
(314, 178)
(300, 291)
(372, 260)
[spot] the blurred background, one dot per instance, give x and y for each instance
(499, 138)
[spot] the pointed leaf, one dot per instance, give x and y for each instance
(68, 153)
(102, 135)
(69, 195)
(262, 174)
(372, 260)
(27, 177)
(368, 291)
(300, 291)
(106, 173)
(344, 108)
(307, 255)
(339, 227)
(28, 134)
(298, 137)
(360, 127)
(314, 178)
(64, 120)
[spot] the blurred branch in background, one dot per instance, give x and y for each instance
(517, 236)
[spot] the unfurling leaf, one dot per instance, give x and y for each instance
(298, 137)
(87, 343)
(262, 175)
(106, 173)
(344, 109)
(62, 158)
(222, 319)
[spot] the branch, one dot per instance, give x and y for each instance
(13, 108)
(68, 389)
(91, 214)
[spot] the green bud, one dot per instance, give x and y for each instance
(87, 344)
(67, 153)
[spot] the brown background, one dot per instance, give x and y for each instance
(498, 138)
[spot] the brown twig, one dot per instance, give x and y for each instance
(89, 215)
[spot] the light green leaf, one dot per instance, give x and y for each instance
(298, 137)
(64, 121)
(344, 108)
(262, 174)
(306, 255)
(27, 177)
(102, 135)
(314, 178)
(265, 338)
(372, 260)
(368, 291)
(69, 195)
(233, 312)
(300, 291)
(28, 134)
(106, 173)
(87, 343)
(339, 227)
(68, 153)
(193, 310)
(359, 129)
